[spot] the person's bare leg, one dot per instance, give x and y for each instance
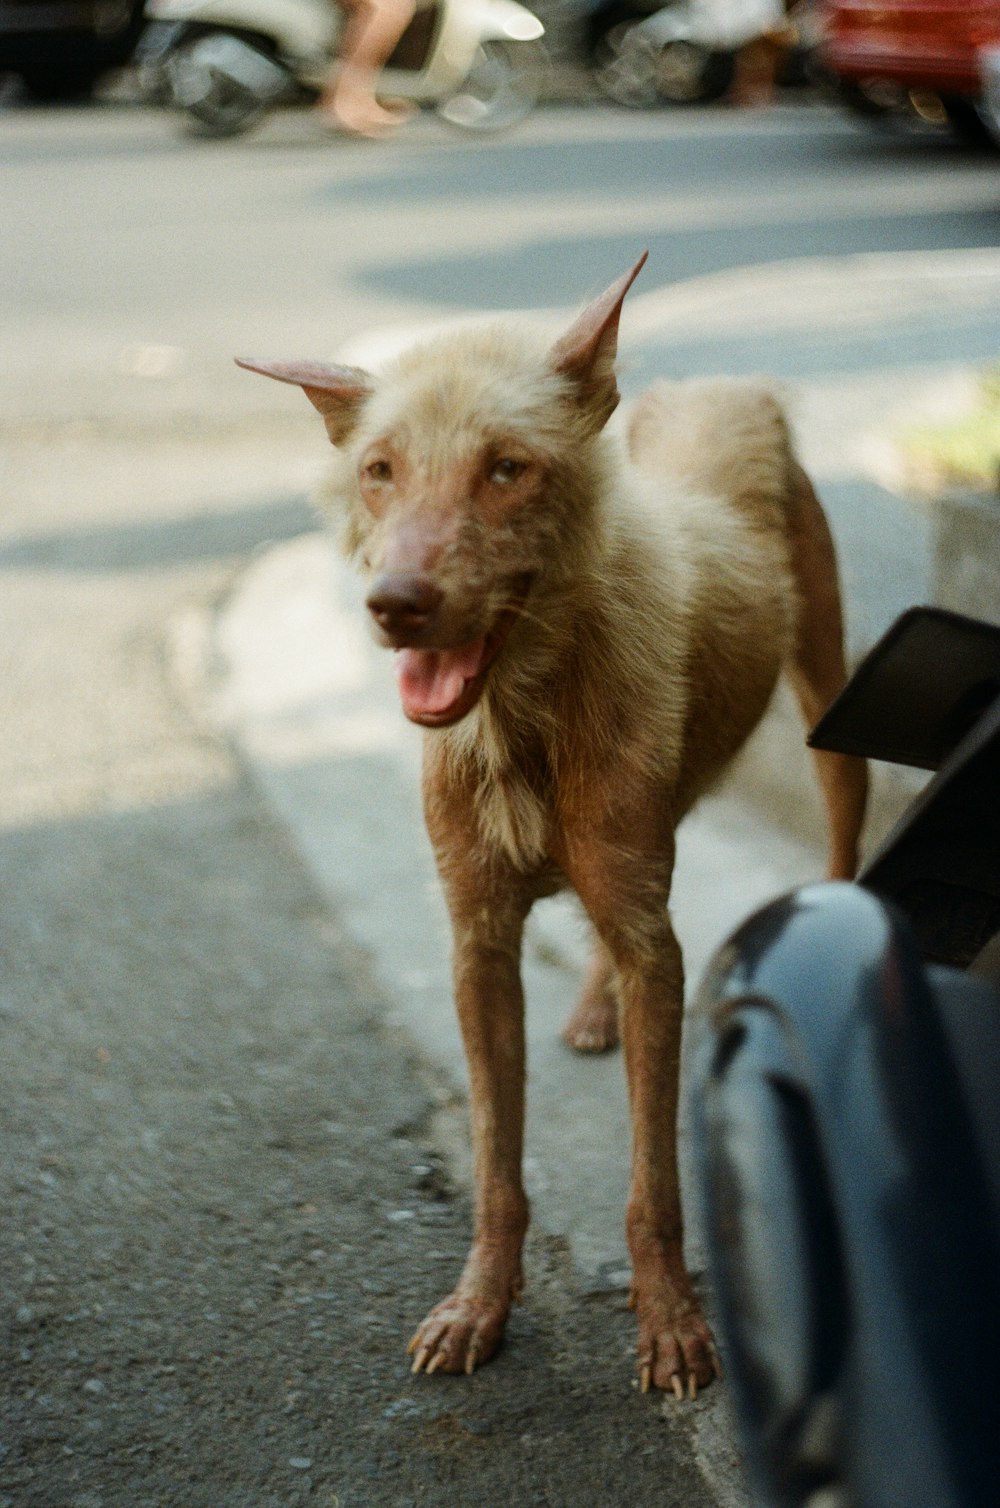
(373, 29)
(755, 77)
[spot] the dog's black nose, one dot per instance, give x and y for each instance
(403, 604)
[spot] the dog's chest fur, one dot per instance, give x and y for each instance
(640, 678)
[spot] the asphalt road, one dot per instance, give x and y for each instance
(224, 1205)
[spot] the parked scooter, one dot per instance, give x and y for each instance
(846, 1120)
(228, 63)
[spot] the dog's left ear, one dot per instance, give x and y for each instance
(338, 392)
(586, 353)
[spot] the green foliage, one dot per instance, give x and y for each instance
(962, 452)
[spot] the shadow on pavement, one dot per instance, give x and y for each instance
(220, 1223)
(153, 544)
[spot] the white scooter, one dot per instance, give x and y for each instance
(684, 52)
(228, 63)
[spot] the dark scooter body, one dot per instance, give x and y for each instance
(847, 1119)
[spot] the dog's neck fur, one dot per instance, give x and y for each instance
(562, 704)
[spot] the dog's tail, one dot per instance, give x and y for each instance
(818, 668)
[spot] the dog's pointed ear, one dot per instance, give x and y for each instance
(337, 391)
(586, 353)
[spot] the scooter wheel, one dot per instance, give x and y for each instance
(215, 102)
(625, 67)
(635, 70)
(687, 74)
(500, 89)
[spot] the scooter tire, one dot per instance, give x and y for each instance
(501, 88)
(633, 70)
(624, 67)
(218, 110)
(686, 74)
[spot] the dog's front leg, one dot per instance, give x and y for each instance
(487, 914)
(466, 1327)
(625, 892)
(675, 1344)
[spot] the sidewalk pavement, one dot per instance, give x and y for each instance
(291, 672)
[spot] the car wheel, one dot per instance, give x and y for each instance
(873, 99)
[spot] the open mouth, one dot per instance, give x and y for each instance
(438, 687)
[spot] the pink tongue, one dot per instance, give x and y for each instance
(432, 680)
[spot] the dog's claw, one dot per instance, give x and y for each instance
(461, 1333)
(676, 1352)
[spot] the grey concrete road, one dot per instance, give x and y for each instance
(223, 1174)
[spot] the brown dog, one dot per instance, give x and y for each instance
(588, 624)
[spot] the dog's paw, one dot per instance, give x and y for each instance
(591, 1030)
(458, 1335)
(676, 1350)
(592, 1024)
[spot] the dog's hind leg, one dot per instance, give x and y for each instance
(592, 1025)
(818, 671)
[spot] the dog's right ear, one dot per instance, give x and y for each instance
(586, 353)
(338, 392)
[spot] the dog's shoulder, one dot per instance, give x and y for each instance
(698, 416)
(724, 438)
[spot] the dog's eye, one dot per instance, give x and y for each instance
(507, 470)
(378, 471)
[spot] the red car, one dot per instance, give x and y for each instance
(884, 54)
